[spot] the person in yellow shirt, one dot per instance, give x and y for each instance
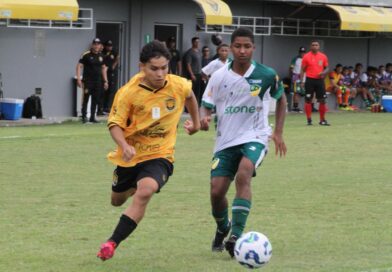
(334, 84)
(143, 123)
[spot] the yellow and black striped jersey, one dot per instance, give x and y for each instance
(149, 118)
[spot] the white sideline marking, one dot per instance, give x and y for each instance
(10, 137)
(388, 269)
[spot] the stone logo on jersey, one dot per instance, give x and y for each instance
(170, 104)
(241, 109)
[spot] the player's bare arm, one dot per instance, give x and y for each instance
(118, 136)
(205, 118)
(324, 72)
(191, 127)
(79, 68)
(277, 136)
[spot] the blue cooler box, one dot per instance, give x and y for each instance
(387, 103)
(11, 108)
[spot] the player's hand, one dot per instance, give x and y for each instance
(280, 146)
(190, 128)
(106, 85)
(205, 123)
(128, 153)
(79, 83)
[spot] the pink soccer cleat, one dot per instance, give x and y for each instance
(107, 250)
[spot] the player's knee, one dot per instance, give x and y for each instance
(116, 202)
(308, 98)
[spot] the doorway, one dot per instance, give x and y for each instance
(163, 32)
(114, 31)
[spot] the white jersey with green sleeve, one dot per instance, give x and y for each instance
(242, 104)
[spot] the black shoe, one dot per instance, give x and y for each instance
(100, 113)
(324, 123)
(84, 120)
(217, 243)
(93, 121)
(310, 122)
(230, 244)
(296, 110)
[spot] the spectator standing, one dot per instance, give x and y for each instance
(295, 75)
(315, 65)
(192, 67)
(112, 60)
(94, 72)
(205, 58)
(216, 64)
(175, 61)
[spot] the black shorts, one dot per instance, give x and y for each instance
(125, 178)
(317, 86)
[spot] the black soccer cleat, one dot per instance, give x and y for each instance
(230, 244)
(217, 243)
(324, 123)
(309, 122)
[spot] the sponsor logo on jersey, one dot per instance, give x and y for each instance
(154, 131)
(215, 163)
(115, 178)
(170, 104)
(241, 109)
(139, 109)
(253, 148)
(255, 89)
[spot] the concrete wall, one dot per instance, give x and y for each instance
(31, 58)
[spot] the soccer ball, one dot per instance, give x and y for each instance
(253, 250)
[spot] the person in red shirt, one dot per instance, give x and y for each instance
(315, 66)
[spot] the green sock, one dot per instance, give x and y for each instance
(350, 101)
(240, 210)
(221, 219)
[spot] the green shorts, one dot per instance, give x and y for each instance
(225, 162)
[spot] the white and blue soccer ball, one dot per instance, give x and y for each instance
(253, 250)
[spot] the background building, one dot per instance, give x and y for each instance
(42, 55)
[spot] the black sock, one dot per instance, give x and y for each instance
(124, 228)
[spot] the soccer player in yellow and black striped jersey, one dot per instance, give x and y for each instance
(143, 123)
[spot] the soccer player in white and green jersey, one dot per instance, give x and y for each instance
(241, 91)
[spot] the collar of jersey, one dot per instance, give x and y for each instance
(248, 72)
(151, 89)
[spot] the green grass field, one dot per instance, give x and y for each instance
(327, 206)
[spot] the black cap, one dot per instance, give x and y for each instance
(97, 40)
(302, 49)
(108, 43)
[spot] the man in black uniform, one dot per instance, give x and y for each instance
(94, 71)
(111, 59)
(175, 61)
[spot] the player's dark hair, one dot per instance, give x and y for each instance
(388, 65)
(221, 45)
(194, 39)
(243, 32)
(154, 49)
(338, 65)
